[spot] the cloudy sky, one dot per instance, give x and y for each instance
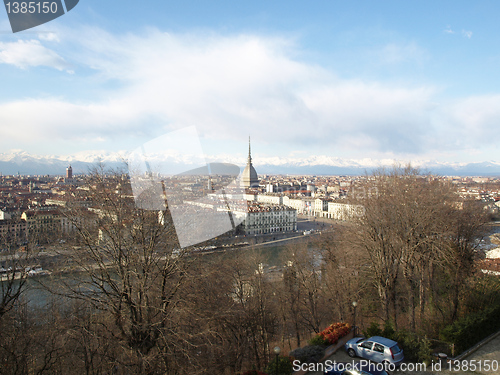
(315, 80)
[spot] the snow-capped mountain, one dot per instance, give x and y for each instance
(24, 163)
(18, 161)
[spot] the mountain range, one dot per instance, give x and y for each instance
(23, 163)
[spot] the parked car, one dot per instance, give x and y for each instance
(376, 348)
(360, 368)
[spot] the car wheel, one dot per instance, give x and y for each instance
(351, 352)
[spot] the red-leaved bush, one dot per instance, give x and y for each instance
(334, 332)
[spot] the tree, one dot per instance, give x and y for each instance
(466, 226)
(374, 233)
(343, 281)
(303, 288)
(14, 260)
(129, 270)
(412, 224)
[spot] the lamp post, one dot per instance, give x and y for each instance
(277, 351)
(354, 304)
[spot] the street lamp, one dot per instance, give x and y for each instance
(277, 351)
(354, 304)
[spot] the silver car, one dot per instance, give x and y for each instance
(376, 348)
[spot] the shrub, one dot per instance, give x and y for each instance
(388, 330)
(318, 340)
(308, 354)
(415, 349)
(373, 330)
(284, 366)
(334, 332)
(472, 328)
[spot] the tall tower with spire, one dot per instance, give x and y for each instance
(249, 176)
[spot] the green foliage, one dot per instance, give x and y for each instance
(373, 330)
(318, 340)
(472, 328)
(484, 292)
(388, 330)
(424, 352)
(308, 354)
(284, 366)
(415, 349)
(254, 372)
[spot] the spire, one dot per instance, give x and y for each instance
(249, 153)
(249, 176)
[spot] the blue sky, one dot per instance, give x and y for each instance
(317, 81)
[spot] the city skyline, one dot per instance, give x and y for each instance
(323, 84)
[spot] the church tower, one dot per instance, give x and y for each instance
(249, 177)
(69, 172)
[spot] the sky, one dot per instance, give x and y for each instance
(322, 81)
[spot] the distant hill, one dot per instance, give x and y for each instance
(21, 162)
(26, 164)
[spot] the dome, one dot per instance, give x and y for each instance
(249, 176)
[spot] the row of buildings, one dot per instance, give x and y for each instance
(317, 207)
(247, 207)
(275, 207)
(39, 224)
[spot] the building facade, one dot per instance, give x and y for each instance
(263, 219)
(343, 211)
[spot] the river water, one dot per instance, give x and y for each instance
(41, 290)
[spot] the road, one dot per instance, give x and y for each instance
(488, 352)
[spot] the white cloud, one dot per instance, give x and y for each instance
(473, 122)
(448, 30)
(230, 87)
(467, 34)
(227, 86)
(49, 37)
(26, 53)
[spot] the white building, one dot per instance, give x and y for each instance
(302, 205)
(5, 215)
(276, 199)
(321, 207)
(250, 197)
(344, 211)
(262, 219)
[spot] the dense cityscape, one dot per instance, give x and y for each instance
(142, 230)
(282, 255)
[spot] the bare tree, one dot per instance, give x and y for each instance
(344, 280)
(412, 227)
(238, 303)
(303, 282)
(374, 232)
(466, 227)
(14, 260)
(129, 269)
